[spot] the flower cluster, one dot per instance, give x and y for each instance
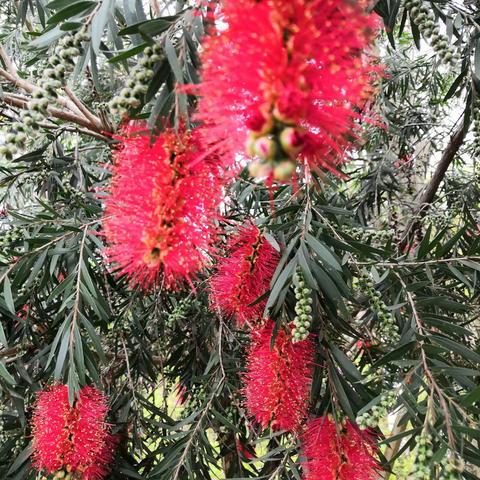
(52, 79)
(386, 328)
(421, 468)
(425, 20)
(476, 130)
(291, 90)
(278, 379)
(243, 275)
(338, 452)
(161, 211)
(372, 418)
(63, 60)
(303, 309)
(72, 440)
(137, 84)
(375, 237)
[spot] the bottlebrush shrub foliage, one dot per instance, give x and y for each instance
(83, 324)
(74, 439)
(338, 451)
(161, 209)
(278, 378)
(243, 275)
(291, 93)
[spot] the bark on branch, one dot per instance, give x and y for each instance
(428, 196)
(15, 101)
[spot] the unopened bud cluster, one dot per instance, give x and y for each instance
(136, 86)
(378, 237)
(421, 469)
(303, 309)
(53, 78)
(423, 17)
(386, 329)
(14, 140)
(372, 418)
(275, 143)
(69, 189)
(10, 236)
(476, 131)
(60, 63)
(179, 312)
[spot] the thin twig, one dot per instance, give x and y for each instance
(54, 112)
(76, 304)
(420, 263)
(430, 378)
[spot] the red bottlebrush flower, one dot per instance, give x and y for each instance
(244, 275)
(340, 452)
(278, 379)
(161, 211)
(50, 437)
(304, 71)
(72, 438)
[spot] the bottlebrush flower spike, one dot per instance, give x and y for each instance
(340, 452)
(278, 379)
(243, 275)
(74, 439)
(160, 214)
(304, 72)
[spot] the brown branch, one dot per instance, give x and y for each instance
(155, 7)
(85, 111)
(78, 111)
(15, 101)
(9, 65)
(430, 191)
(30, 88)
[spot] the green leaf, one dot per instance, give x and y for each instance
(62, 354)
(456, 83)
(128, 53)
(3, 338)
(24, 455)
(173, 60)
(462, 350)
(5, 374)
(345, 364)
(98, 24)
(70, 11)
(94, 337)
(477, 59)
(150, 27)
(280, 284)
(47, 38)
(394, 354)
(471, 398)
(341, 394)
(424, 246)
(7, 293)
(323, 252)
(302, 255)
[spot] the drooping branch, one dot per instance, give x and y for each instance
(428, 196)
(73, 110)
